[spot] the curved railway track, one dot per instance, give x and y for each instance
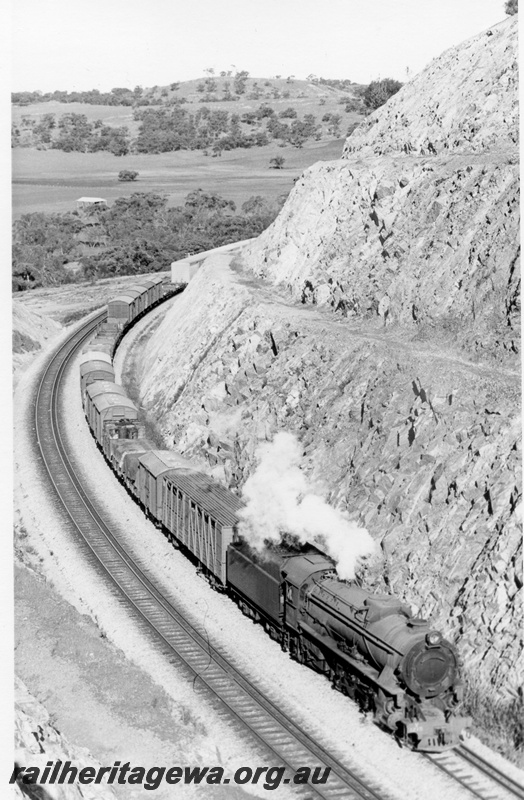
(187, 646)
(284, 741)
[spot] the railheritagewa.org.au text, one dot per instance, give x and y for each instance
(61, 772)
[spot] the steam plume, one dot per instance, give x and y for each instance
(278, 501)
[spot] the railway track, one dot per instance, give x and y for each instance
(477, 775)
(283, 741)
(187, 646)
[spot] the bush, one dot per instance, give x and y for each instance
(512, 7)
(127, 175)
(288, 113)
(354, 105)
(378, 92)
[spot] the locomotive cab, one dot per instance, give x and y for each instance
(297, 572)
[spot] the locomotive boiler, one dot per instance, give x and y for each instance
(370, 646)
(396, 664)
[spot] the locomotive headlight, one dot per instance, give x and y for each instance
(433, 638)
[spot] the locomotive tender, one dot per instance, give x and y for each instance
(369, 645)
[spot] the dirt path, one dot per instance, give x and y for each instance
(392, 338)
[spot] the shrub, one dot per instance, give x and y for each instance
(378, 92)
(127, 175)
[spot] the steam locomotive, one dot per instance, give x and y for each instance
(370, 646)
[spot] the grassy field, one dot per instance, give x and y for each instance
(51, 180)
(110, 115)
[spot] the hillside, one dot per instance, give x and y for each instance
(232, 107)
(306, 93)
(425, 238)
(378, 320)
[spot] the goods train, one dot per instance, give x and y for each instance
(370, 646)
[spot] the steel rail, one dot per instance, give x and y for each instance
(509, 783)
(181, 641)
(476, 774)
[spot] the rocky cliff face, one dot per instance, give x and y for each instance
(464, 101)
(418, 223)
(378, 320)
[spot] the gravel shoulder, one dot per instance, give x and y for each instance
(105, 686)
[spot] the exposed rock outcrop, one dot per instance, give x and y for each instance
(421, 448)
(382, 327)
(418, 223)
(464, 101)
(421, 243)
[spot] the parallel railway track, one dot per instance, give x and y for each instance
(187, 646)
(285, 742)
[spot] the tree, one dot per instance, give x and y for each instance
(239, 84)
(42, 244)
(119, 141)
(512, 7)
(127, 175)
(200, 201)
(288, 113)
(255, 205)
(265, 111)
(277, 162)
(334, 127)
(378, 92)
(44, 127)
(74, 132)
(210, 85)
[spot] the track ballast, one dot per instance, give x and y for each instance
(184, 645)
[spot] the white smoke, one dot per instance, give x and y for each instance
(278, 501)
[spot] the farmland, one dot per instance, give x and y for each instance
(52, 180)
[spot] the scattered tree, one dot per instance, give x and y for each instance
(288, 113)
(277, 162)
(239, 84)
(512, 7)
(127, 175)
(210, 85)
